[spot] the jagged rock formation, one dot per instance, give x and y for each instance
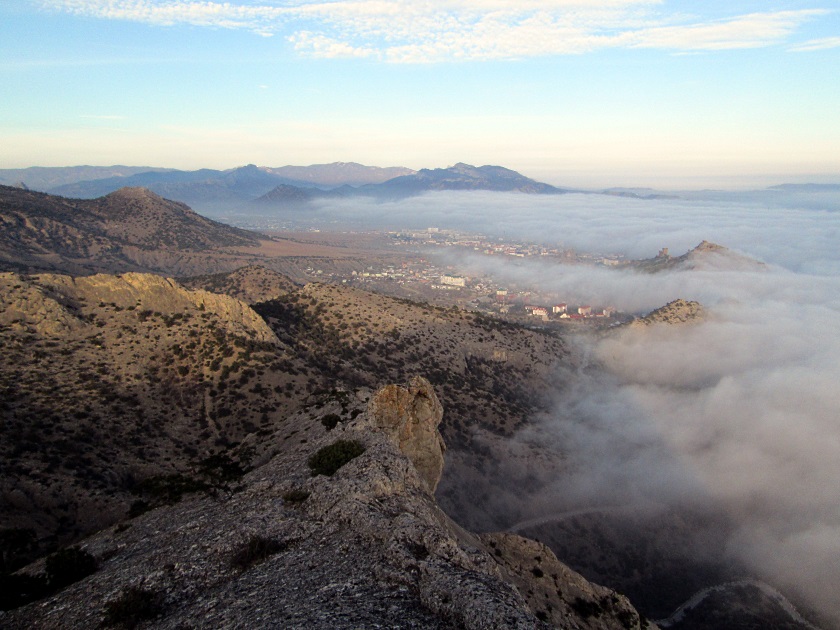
(365, 547)
(675, 312)
(410, 416)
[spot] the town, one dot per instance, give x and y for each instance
(420, 274)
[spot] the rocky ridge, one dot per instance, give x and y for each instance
(707, 256)
(107, 381)
(365, 547)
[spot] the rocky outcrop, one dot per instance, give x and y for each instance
(49, 302)
(365, 547)
(410, 417)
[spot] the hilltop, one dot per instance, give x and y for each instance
(706, 256)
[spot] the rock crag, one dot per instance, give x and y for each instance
(410, 417)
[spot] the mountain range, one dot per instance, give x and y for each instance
(250, 186)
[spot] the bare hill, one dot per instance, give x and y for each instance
(675, 312)
(706, 256)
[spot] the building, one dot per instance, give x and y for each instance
(585, 310)
(558, 308)
(453, 281)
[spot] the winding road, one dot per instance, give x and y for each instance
(765, 588)
(693, 601)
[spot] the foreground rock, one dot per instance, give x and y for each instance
(366, 547)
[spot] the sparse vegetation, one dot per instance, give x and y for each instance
(327, 460)
(134, 606)
(256, 550)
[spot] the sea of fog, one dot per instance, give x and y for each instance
(740, 412)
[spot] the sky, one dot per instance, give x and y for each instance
(573, 92)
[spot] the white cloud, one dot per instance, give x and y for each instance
(401, 31)
(824, 43)
(746, 31)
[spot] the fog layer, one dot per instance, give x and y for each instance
(739, 413)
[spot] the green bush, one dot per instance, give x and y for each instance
(68, 566)
(328, 460)
(132, 607)
(257, 549)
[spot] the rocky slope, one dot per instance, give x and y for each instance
(251, 284)
(364, 547)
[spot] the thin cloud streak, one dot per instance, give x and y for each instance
(825, 43)
(408, 32)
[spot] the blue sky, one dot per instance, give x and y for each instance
(574, 92)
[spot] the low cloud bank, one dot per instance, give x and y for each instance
(738, 414)
(800, 237)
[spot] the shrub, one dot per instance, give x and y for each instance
(586, 608)
(16, 548)
(328, 460)
(296, 496)
(257, 549)
(168, 489)
(330, 421)
(68, 566)
(133, 606)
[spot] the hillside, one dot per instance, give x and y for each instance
(295, 544)
(128, 230)
(251, 284)
(675, 312)
(154, 378)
